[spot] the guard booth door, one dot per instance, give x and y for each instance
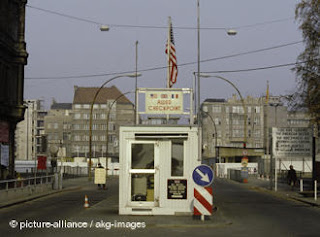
(144, 174)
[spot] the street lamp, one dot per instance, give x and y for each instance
(215, 134)
(229, 32)
(108, 117)
(134, 75)
(242, 101)
(104, 28)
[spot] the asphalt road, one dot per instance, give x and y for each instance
(241, 212)
(60, 206)
(257, 213)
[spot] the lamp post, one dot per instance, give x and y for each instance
(108, 118)
(229, 32)
(215, 135)
(242, 102)
(91, 110)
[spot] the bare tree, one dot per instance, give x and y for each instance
(308, 65)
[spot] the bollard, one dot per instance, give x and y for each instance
(315, 190)
(56, 181)
(301, 185)
(60, 180)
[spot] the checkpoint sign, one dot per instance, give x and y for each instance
(203, 175)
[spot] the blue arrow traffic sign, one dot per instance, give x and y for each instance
(203, 175)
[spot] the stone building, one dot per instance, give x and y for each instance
(58, 123)
(111, 109)
(13, 58)
(30, 132)
(225, 130)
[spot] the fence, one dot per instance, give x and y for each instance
(14, 188)
(222, 168)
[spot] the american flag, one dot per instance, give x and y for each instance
(172, 60)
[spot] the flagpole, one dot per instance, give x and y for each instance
(168, 52)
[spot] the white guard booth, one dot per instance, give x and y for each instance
(156, 165)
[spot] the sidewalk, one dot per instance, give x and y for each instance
(68, 185)
(284, 191)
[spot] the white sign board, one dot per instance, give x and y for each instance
(292, 142)
(100, 176)
(164, 102)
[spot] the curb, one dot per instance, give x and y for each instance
(280, 195)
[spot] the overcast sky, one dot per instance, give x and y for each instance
(61, 47)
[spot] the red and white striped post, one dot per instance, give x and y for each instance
(203, 201)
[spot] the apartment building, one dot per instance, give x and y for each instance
(30, 132)
(58, 125)
(229, 123)
(111, 109)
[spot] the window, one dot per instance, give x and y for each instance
(103, 126)
(77, 106)
(216, 109)
(55, 125)
(76, 126)
(112, 127)
(40, 123)
(142, 156)
(112, 117)
(177, 155)
(257, 133)
(95, 106)
(257, 120)
(65, 126)
(77, 116)
(217, 121)
(86, 127)
(85, 138)
(86, 116)
(77, 138)
(111, 138)
(235, 121)
(86, 106)
(257, 109)
(237, 109)
(205, 108)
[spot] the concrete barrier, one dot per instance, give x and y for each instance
(15, 188)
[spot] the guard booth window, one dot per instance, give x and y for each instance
(142, 184)
(177, 156)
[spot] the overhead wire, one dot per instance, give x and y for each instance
(163, 67)
(150, 26)
(165, 27)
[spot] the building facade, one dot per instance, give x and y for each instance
(13, 58)
(111, 110)
(30, 132)
(229, 125)
(58, 123)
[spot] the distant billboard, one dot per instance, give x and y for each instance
(292, 142)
